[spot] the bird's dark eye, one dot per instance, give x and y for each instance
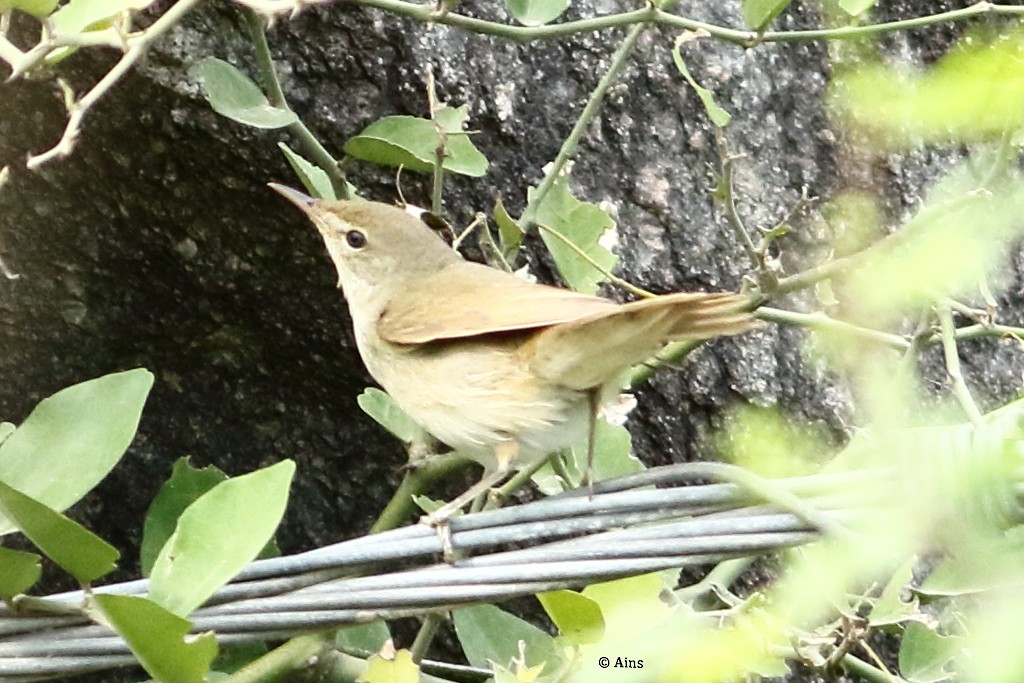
(356, 239)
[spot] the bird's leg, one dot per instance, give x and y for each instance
(593, 406)
(505, 454)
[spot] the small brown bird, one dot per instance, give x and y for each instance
(500, 369)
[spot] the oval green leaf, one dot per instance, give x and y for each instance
(759, 13)
(185, 486)
(73, 547)
(158, 638)
(536, 12)
(313, 178)
(18, 572)
(233, 94)
(488, 634)
(73, 439)
(412, 142)
(218, 535)
(577, 617)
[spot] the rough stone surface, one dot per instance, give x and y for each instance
(156, 244)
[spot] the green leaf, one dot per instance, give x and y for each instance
(972, 93)
(925, 655)
(73, 439)
(158, 638)
(314, 178)
(412, 142)
(509, 232)
(6, 429)
(536, 12)
(86, 15)
(185, 485)
(856, 7)
(890, 608)
(583, 225)
(759, 13)
(77, 550)
(362, 640)
(577, 617)
(383, 409)
(719, 116)
(233, 94)
(488, 634)
(395, 669)
(37, 8)
(218, 535)
(18, 572)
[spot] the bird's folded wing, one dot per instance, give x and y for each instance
(588, 353)
(468, 299)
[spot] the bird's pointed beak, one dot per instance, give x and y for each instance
(299, 199)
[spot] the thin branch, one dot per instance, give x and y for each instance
(275, 95)
(821, 321)
(830, 269)
(728, 201)
(649, 15)
(963, 394)
(586, 116)
(441, 151)
(139, 46)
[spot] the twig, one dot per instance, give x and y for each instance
(401, 506)
(728, 200)
(275, 95)
(820, 320)
(963, 394)
(593, 105)
(278, 663)
(139, 46)
(428, 629)
(649, 15)
(441, 151)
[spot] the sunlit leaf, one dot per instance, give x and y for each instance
(856, 7)
(772, 444)
(233, 94)
(6, 429)
(488, 634)
(891, 608)
(74, 548)
(536, 12)
(925, 656)
(37, 8)
(972, 93)
(159, 639)
(961, 234)
(84, 15)
(577, 617)
(184, 486)
(759, 13)
(412, 143)
(719, 116)
(18, 572)
(73, 439)
(398, 669)
(580, 223)
(218, 535)
(313, 178)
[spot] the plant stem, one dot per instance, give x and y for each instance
(272, 86)
(401, 506)
(593, 105)
(956, 376)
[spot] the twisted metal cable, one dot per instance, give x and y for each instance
(623, 528)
